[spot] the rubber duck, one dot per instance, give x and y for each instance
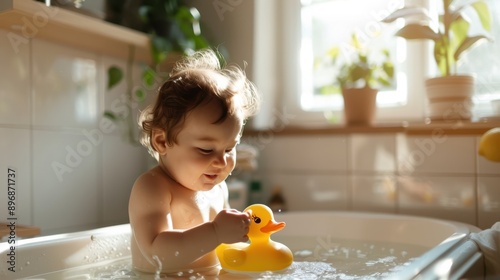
(260, 253)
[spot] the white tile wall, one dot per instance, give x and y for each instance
(64, 86)
(373, 153)
(437, 153)
(374, 193)
(118, 178)
(282, 159)
(488, 200)
(313, 153)
(452, 198)
(318, 192)
(72, 173)
(15, 82)
(437, 176)
(65, 181)
(373, 168)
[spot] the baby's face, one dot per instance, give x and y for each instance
(205, 152)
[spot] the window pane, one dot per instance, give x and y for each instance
(330, 23)
(484, 61)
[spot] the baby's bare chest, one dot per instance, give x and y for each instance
(187, 212)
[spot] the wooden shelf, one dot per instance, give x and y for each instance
(451, 128)
(411, 128)
(28, 19)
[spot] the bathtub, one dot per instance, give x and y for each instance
(347, 245)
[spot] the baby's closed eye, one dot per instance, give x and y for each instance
(205, 151)
(210, 151)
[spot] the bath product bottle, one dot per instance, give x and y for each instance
(277, 201)
(238, 194)
(255, 195)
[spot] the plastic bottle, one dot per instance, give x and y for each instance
(255, 195)
(277, 201)
(238, 194)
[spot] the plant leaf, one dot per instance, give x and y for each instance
(201, 43)
(358, 72)
(417, 31)
(459, 28)
(115, 75)
(110, 115)
(386, 53)
(466, 44)
(159, 48)
(383, 81)
(140, 94)
(388, 68)
(440, 54)
(407, 12)
(143, 12)
(355, 42)
(333, 52)
(148, 77)
(484, 14)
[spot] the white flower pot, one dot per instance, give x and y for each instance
(450, 98)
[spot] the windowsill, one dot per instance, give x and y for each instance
(410, 128)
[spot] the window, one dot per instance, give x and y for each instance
(325, 23)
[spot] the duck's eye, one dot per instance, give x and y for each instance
(256, 219)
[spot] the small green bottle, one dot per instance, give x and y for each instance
(255, 194)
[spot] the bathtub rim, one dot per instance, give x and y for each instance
(455, 246)
(370, 218)
(425, 261)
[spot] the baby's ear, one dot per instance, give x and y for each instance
(159, 141)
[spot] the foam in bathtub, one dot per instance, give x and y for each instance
(261, 253)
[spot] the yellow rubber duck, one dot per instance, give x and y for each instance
(261, 253)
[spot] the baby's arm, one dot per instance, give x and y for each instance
(150, 218)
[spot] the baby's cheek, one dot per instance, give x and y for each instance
(231, 162)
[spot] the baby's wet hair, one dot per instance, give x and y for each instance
(196, 80)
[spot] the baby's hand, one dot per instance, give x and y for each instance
(231, 226)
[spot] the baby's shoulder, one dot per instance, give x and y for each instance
(153, 182)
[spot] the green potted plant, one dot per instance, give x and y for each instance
(450, 94)
(358, 79)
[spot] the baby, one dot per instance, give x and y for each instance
(179, 211)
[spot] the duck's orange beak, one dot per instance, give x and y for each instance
(272, 227)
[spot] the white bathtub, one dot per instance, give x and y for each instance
(432, 249)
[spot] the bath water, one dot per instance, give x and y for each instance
(321, 257)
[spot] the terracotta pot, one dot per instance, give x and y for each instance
(360, 105)
(450, 98)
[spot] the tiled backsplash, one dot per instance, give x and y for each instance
(437, 175)
(72, 172)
